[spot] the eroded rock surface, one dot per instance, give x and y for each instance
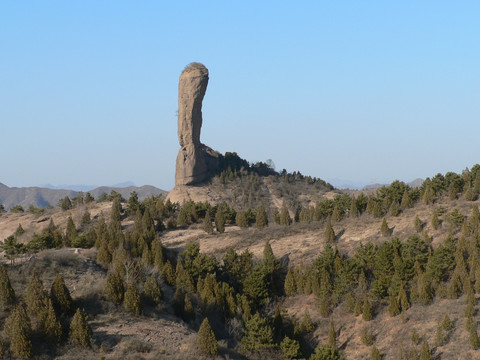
(195, 161)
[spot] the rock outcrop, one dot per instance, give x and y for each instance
(196, 162)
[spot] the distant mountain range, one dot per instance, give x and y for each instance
(352, 185)
(84, 188)
(44, 196)
(415, 183)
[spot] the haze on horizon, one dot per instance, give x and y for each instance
(363, 92)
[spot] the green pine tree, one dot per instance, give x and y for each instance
(104, 257)
(86, 218)
(326, 352)
(384, 229)
(290, 288)
(206, 341)
(7, 294)
(51, 327)
(375, 354)
(71, 233)
(207, 223)
(258, 333)
(394, 209)
(332, 335)
(418, 224)
(284, 215)
(132, 203)
(324, 304)
(116, 213)
(414, 337)
(336, 217)
(474, 219)
(428, 195)
(168, 273)
(80, 330)
(452, 191)
(241, 219)
(262, 218)
(35, 296)
(182, 217)
(423, 290)
(114, 288)
(188, 310)
(393, 307)
(184, 278)
(329, 234)
(406, 201)
(447, 324)
(425, 352)
(353, 211)
(435, 221)
(403, 299)
(19, 332)
(472, 334)
(440, 336)
(306, 323)
(476, 184)
(290, 348)
(19, 230)
(367, 311)
(61, 298)
(469, 194)
(366, 336)
(220, 221)
(152, 290)
(412, 353)
(132, 300)
(89, 198)
(158, 253)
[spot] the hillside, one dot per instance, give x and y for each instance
(243, 185)
(364, 263)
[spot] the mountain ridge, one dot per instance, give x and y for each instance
(42, 196)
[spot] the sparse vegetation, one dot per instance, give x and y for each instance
(286, 302)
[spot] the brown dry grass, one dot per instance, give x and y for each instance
(36, 223)
(390, 332)
(117, 334)
(303, 242)
(120, 335)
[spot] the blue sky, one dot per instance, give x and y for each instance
(361, 91)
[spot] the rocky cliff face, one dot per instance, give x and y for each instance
(195, 161)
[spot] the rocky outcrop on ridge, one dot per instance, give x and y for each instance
(196, 162)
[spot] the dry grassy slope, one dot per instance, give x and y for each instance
(302, 242)
(272, 191)
(390, 333)
(37, 223)
(120, 334)
(299, 242)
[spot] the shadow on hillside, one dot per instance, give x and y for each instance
(105, 340)
(339, 235)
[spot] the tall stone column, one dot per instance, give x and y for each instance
(195, 160)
